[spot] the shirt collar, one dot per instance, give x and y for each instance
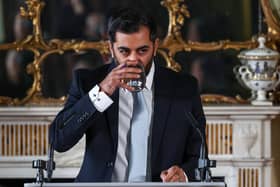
(150, 77)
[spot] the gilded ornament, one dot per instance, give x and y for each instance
(170, 45)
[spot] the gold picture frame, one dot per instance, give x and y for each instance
(170, 45)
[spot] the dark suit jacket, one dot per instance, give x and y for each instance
(174, 140)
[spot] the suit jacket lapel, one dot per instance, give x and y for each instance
(162, 101)
(113, 116)
(113, 113)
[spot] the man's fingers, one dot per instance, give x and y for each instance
(124, 69)
(116, 78)
(173, 169)
(125, 73)
(163, 175)
(131, 70)
(167, 175)
(124, 85)
(175, 178)
(173, 174)
(129, 76)
(120, 66)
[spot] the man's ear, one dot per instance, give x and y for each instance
(111, 48)
(156, 44)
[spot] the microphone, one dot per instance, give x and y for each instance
(202, 173)
(50, 166)
(42, 165)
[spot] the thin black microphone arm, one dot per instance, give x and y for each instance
(50, 166)
(196, 126)
(50, 162)
(202, 173)
(42, 165)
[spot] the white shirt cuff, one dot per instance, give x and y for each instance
(99, 99)
(186, 177)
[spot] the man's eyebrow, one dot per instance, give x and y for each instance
(124, 48)
(143, 47)
(139, 48)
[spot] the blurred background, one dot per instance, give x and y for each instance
(210, 20)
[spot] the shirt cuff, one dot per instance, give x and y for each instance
(99, 99)
(186, 177)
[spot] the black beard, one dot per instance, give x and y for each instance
(148, 67)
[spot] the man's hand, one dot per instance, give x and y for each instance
(173, 174)
(115, 78)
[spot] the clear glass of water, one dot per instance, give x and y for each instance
(137, 84)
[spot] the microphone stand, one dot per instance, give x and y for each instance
(42, 165)
(202, 172)
(50, 163)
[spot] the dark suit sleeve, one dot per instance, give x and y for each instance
(194, 141)
(71, 123)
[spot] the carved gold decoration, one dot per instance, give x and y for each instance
(41, 50)
(177, 11)
(171, 44)
(220, 99)
(271, 20)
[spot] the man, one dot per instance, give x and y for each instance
(164, 146)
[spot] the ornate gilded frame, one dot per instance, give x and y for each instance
(271, 20)
(170, 45)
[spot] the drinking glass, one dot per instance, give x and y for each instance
(139, 83)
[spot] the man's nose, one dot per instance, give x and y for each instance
(132, 59)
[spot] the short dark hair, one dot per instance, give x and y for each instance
(129, 20)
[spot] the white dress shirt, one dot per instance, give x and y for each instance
(101, 102)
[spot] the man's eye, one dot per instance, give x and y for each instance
(124, 52)
(142, 51)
